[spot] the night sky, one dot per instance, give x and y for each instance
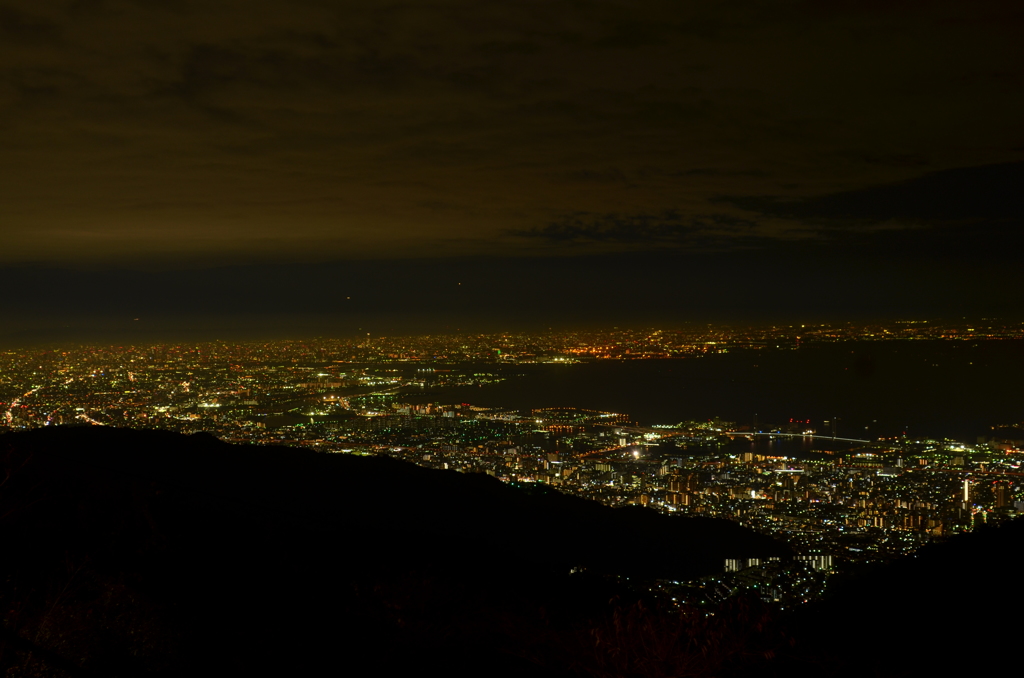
(270, 168)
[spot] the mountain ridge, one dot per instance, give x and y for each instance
(141, 551)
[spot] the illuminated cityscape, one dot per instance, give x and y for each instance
(836, 500)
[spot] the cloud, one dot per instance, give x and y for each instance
(337, 128)
(985, 193)
(966, 217)
(668, 227)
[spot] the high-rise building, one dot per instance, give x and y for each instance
(1002, 494)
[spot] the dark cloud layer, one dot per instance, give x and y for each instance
(963, 216)
(187, 135)
(705, 232)
(987, 193)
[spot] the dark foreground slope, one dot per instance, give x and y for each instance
(951, 609)
(146, 552)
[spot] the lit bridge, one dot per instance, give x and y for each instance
(633, 446)
(794, 435)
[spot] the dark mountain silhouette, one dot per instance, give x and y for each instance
(952, 608)
(132, 552)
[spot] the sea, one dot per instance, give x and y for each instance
(960, 390)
